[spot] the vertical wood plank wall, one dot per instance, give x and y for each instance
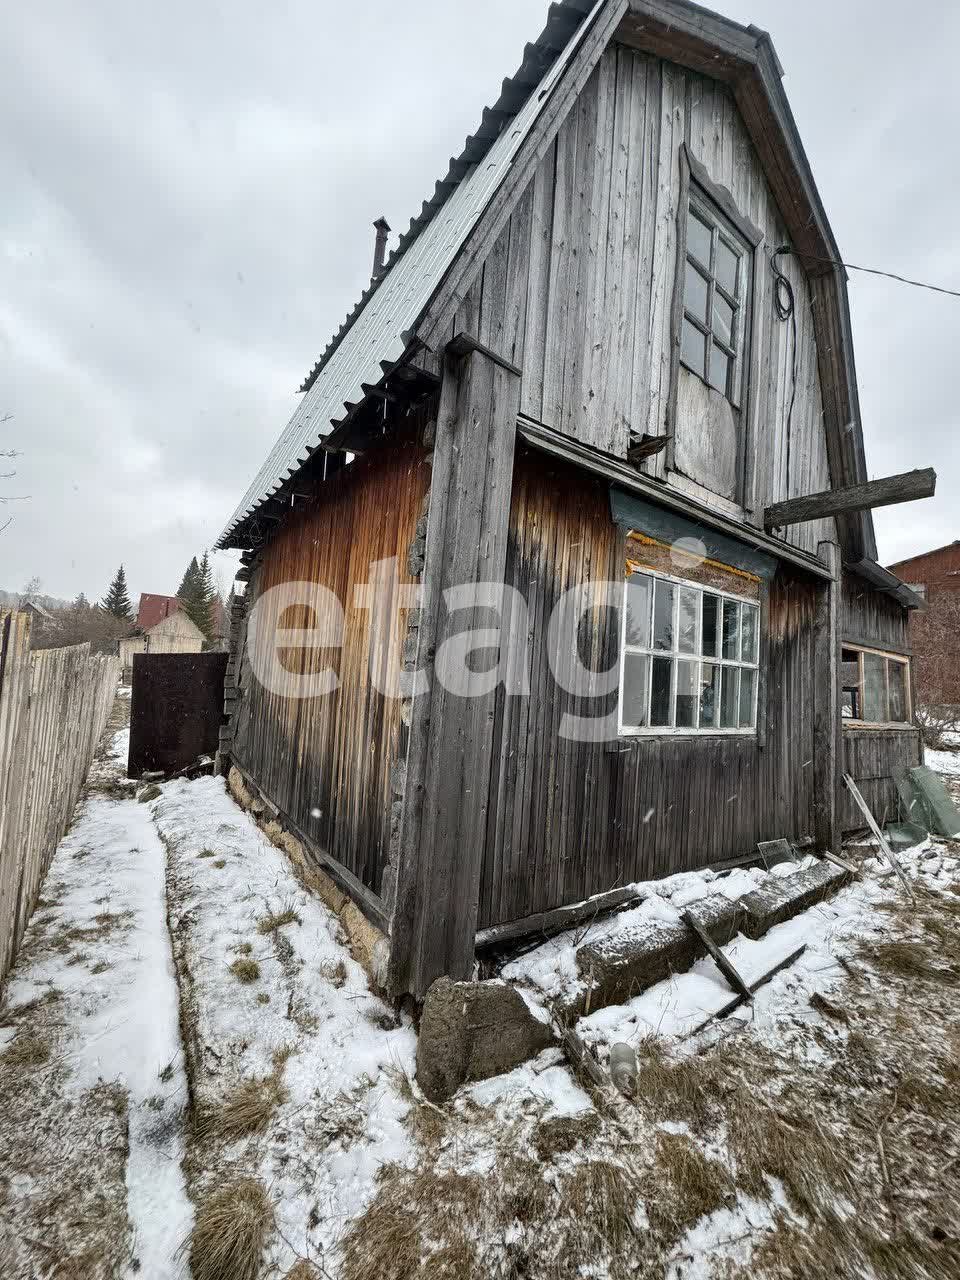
(873, 756)
(54, 706)
(571, 819)
(326, 761)
(578, 289)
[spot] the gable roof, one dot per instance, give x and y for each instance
(153, 609)
(417, 294)
(183, 623)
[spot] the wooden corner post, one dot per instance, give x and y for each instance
(827, 730)
(446, 789)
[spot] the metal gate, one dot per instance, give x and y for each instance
(176, 710)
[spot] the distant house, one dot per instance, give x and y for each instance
(154, 609)
(173, 633)
(935, 631)
(43, 619)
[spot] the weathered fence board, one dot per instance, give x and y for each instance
(54, 706)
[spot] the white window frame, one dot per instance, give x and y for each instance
(902, 660)
(675, 655)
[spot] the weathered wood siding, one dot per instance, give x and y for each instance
(54, 706)
(871, 618)
(872, 757)
(325, 762)
(570, 819)
(578, 289)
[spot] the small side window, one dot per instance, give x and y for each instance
(875, 687)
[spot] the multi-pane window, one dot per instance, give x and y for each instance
(875, 687)
(689, 658)
(715, 288)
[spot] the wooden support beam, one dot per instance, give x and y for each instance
(907, 487)
(872, 824)
(717, 956)
(827, 727)
(448, 761)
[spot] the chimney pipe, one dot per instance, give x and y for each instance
(382, 228)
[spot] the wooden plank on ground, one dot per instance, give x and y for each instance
(764, 978)
(719, 959)
(872, 824)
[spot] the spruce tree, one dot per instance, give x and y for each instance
(116, 601)
(195, 594)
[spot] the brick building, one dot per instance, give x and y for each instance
(935, 631)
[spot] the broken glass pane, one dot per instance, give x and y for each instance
(711, 617)
(660, 691)
(687, 694)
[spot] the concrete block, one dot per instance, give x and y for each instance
(473, 1030)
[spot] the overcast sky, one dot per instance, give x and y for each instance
(188, 190)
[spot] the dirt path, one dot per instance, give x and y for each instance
(92, 1085)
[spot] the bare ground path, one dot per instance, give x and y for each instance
(92, 1083)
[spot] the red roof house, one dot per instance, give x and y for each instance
(154, 609)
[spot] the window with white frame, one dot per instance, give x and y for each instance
(717, 273)
(689, 658)
(875, 687)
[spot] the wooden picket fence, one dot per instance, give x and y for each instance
(54, 706)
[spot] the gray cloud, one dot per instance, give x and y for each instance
(188, 192)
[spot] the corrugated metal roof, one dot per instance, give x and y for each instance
(376, 330)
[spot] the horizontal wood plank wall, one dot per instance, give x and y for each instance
(54, 705)
(869, 617)
(570, 819)
(578, 289)
(326, 761)
(872, 757)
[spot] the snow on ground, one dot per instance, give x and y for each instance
(343, 1111)
(100, 942)
(947, 762)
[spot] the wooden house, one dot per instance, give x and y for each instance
(609, 366)
(173, 632)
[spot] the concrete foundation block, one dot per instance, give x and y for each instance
(473, 1030)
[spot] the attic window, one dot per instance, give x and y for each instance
(717, 272)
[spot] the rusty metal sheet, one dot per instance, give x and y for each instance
(176, 710)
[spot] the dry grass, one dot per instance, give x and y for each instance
(220, 863)
(686, 1185)
(26, 1052)
(303, 1270)
(207, 853)
(334, 972)
(248, 1109)
(909, 960)
(277, 919)
(231, 1228)
(245, 970)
